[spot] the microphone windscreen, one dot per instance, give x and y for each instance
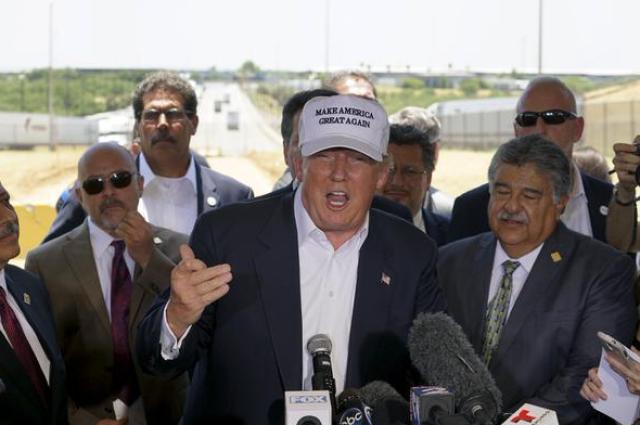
(375, 391)
(441, 352)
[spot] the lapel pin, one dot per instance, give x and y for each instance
(604, 210)
(386, 279)
(211, 201)
(157, 240)
(556, 257)
(26, 298)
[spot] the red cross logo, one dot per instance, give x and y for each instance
(523, 415)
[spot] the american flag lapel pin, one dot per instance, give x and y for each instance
(26, 298)
(385, 279)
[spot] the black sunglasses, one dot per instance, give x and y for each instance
(552, 117)
(119, 180)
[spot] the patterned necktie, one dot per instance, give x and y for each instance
(124, 381)
(497, 311)
(23, 350)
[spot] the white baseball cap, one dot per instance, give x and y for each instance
(344, 121)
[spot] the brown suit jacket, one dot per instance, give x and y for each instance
(66, 266)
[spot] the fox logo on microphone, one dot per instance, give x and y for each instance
(307, 408)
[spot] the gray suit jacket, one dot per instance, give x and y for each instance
(577, 287)
(66, 266)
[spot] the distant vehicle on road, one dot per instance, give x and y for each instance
(233, 120)
(217, 106)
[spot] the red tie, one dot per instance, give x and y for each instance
(124, 380)
(21, 347)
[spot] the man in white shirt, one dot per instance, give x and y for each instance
(32, 388)
(546, 108)
(265, 276)
(532, 294)
(102, 277)
(177, 189)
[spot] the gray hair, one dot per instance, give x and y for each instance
(546, 156)
(549, 81)
(166, 81)
(420, 119)
(339, 77)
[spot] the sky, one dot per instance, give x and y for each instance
(579, 36)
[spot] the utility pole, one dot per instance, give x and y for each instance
(327, 29)
(540, 37)
(52, 146)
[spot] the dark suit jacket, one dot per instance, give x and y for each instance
(214, 190)
(19, 401)
(67, 267)
(436, 225)
(469, 216)
(247, 346)
(549, 341)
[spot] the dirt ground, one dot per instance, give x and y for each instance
(37, 177)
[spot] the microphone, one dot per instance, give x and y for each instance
(443, 355)
(534, 415)
(430, 404)
(319, 347)
(307, 408)
(389, 407)
(352, 410)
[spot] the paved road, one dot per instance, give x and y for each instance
(213, 136)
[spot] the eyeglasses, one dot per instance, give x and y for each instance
(152, 116)
(408, 173)
(552, 117)
(119, 180)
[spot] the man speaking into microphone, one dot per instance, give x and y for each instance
(260, 278)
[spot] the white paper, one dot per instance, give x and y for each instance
(120, 409)
(620, 404)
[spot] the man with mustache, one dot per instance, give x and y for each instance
(240, 312)
(177, 189)
(102, 277)
(532, 294)
(413, 159)
(32, 388)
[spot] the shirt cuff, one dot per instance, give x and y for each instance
(169, 343)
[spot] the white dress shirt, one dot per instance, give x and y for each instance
(327, 290)
(519, 276)
(103, 257)
(28, 331)
(576, 214)
(168, 202)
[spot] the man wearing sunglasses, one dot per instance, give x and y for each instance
(177, 188)
(547, 108)
(102, 277)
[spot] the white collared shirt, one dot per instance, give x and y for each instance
(169, 202)
(418, 221)
(328, 280)
(103, 257)
(576, 213)
(519, 276)
(28, 331)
